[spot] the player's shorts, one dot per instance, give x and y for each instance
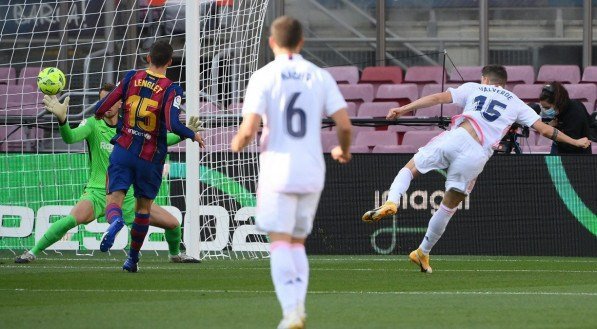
(288, 213)
(127, 169)
(458, 152)
(97, 197)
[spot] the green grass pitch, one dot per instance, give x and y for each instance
(344, 292)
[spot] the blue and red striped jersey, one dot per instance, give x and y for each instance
(151, 104)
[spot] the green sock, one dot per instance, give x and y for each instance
(173, 239)
(56, 231)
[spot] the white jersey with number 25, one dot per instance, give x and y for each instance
(291, 95)
(491, 110)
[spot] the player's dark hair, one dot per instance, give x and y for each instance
(160, 53)
(555, 93)
(496, 73)
(108, 87)
(287, 32)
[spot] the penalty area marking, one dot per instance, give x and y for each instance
(332, 292)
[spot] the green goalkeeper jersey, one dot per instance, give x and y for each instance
(97, 133)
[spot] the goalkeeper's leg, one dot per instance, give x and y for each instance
(82, 213)
(159, 217)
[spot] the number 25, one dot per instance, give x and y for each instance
(139, 114)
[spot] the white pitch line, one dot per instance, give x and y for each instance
(349, 258)
(332, 292)
(203, 268)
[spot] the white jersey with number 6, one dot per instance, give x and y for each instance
(491, 110)
(291, 94)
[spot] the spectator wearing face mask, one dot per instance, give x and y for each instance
(569, 116)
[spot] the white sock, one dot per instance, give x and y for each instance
(301, 263)
(283, 275)
(437, 226)
(400, 185)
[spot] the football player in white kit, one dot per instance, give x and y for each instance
(291, 95)
(489, 110)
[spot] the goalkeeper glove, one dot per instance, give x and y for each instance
(195, 124)
(58, 109)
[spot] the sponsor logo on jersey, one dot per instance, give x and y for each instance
(106, 146)
(138, 133)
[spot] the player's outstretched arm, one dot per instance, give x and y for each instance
(427, 101)
(341, 153)
(59, 110)
(246, 132)
(194, 124)
(558, 136)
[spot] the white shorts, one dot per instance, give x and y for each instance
(458, 152)
(288, 213)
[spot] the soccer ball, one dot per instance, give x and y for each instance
(51, 81)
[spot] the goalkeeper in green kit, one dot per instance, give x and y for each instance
(92, 204)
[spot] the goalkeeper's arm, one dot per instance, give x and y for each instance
(194, 124)
(59, 110)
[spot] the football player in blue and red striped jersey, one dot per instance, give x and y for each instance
(151, 109)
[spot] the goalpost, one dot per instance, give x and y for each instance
(94, 42)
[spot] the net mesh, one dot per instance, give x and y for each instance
(94, 42)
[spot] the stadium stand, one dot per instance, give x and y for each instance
(519, 74)
(14, 139)
(235, 108)
(344, 74)
(357, 93)
(379, 75)
(394, 149)
(376, 110)
(449, 110)
(586, 93)
(28, 76)
(418, 138)
(403, 94)
(589, 75)
(424, 74)
(528, 93)
(466, 74)
(562, 73)
(434, 88)
(373, 138)
(7, 75)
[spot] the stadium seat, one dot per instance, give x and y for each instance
(373, 138)
(594, 148)
(434, 88)
(528, 93)
(538, 149)
(394, 149)
(379, 75)
(418, 139)
(561, 73)
(424, 74)
(357, 93)
(520, 74)
(8, 75)
(359, 149)
(19, 100)
(589, 75)
(208, 108)
(449, 110)
(585, 92)
(28, 76)
(14, 138)
(376, 110)
(403, 128)
(329, 139)
(344, 74)
(218, 139)
(351, 108)
(403, 94)
(543, 141)
(463, 74)
(235, 108)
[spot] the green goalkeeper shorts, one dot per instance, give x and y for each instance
(97, 197)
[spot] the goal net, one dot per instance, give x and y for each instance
(216, 47)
